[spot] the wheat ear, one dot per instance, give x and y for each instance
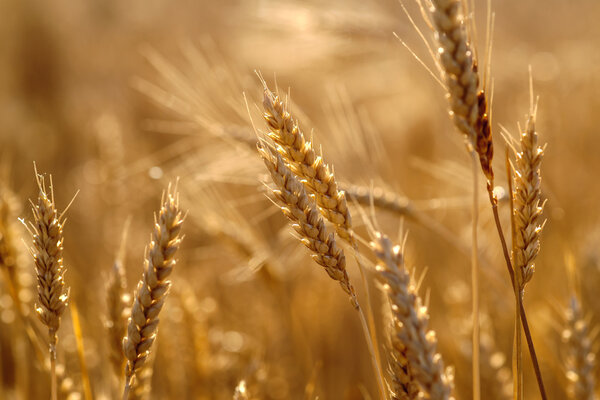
(300, 155)
(153, 287)
(307, 221)
(47, 251)
(456, 61)
(528, 205)
(411, 321)
(580, 358)
(320, 181)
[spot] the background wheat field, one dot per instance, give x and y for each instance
(116, 100)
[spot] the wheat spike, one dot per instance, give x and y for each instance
(47, 250)
(152, 289)
(528, 205)
(458, 69)
(307, 222)
(301, 157)
(580, 357)
(411, 321)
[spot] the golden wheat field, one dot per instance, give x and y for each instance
(352, 199)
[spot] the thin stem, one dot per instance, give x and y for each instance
(127, 388)
(475, 281)
(518, 350)
(53, 386)
(378, 372)
(534, 360)
(371, 319)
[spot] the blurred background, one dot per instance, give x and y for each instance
(116, 99)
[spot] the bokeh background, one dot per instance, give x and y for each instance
(115, 99)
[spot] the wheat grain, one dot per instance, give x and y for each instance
(153, 287)
(410, 321)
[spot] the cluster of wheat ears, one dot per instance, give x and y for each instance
(408, 364)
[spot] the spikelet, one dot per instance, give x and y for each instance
(528, 205)
(307, 222)
(411, 321)
(153, 287)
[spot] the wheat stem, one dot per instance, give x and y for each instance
(528, 338)
(475, 281)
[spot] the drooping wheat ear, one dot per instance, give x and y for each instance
(456, 61)
(528, 205)
(411, 321)
(9, 252)
(152, 289)
(117, 314)
(307, 221)
(47, 250)
(299, 154)
(483, 144)
(580, 357)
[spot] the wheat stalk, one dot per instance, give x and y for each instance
(411, 321)
(152, 289)
(580, 358)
